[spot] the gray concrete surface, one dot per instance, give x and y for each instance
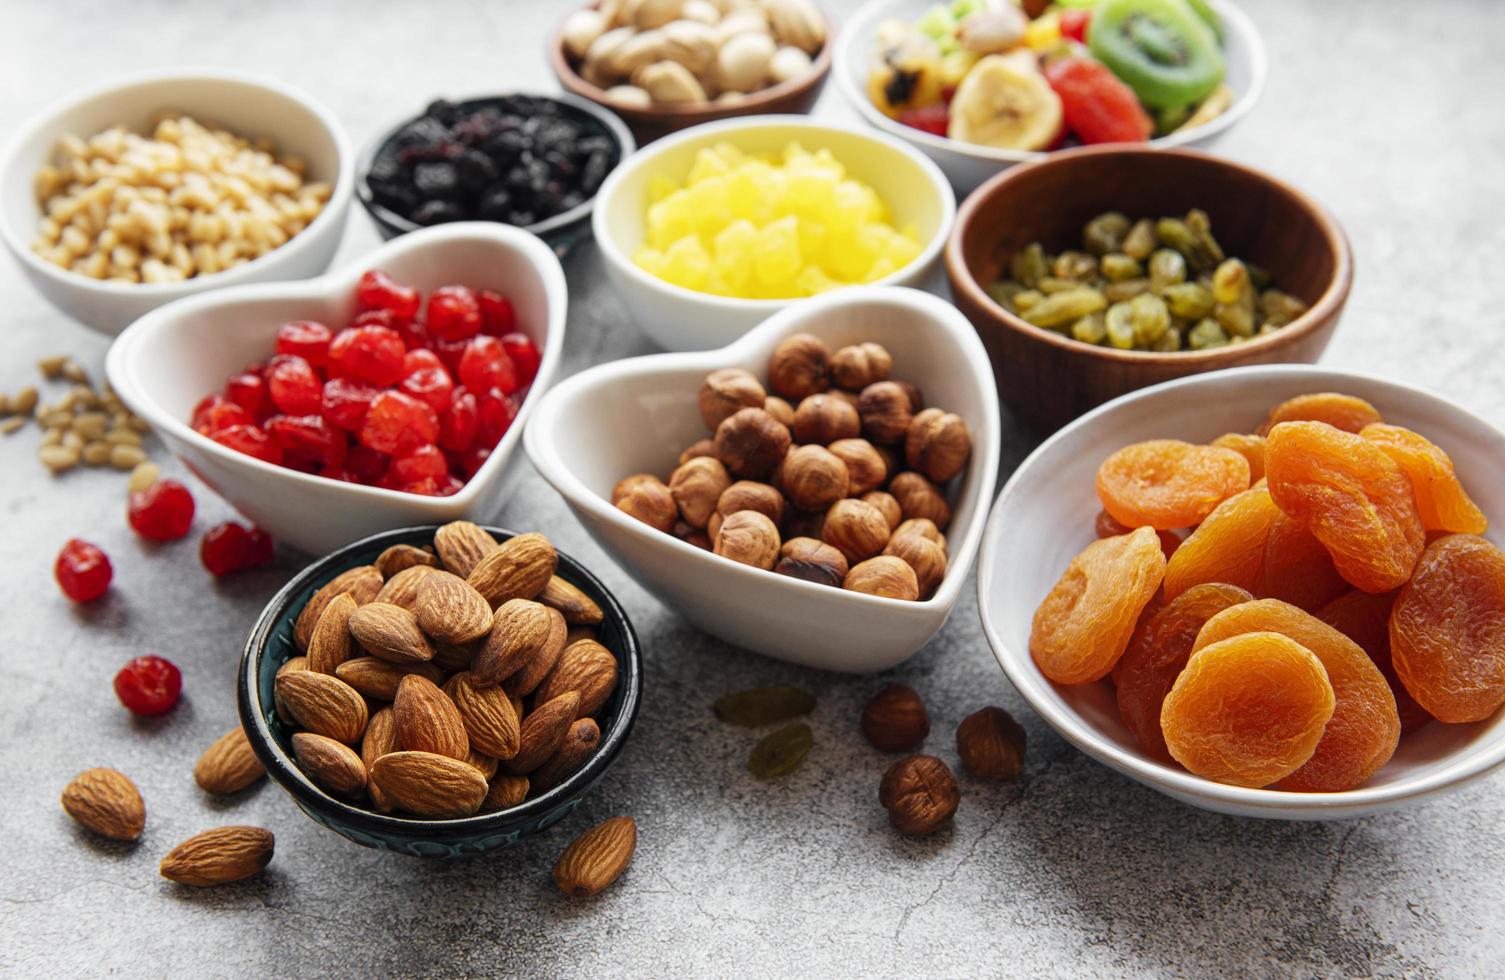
(1389, 111)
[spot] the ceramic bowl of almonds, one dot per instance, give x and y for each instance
(813, 492)
(440, 691)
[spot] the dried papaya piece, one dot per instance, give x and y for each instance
(1365, 727)
(1084, 623)
(1229, 546)
(1157, 654)
(1351, 496)
(1447, 632)
(1249, 710)
(1364, 617)
(1252, 448)
(1106, 527)
(1440, 499)
(1345, 412)
(1298, 568)
(1166, 483)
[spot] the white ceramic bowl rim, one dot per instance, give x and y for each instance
(1035, 688)
(864, 23)
(540, 256)
(340, 188)
(648, 155)
(985, 443)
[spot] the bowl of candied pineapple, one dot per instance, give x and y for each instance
(1269, 591)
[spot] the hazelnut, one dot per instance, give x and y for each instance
(813, 561)
(779, 409)
(725, 392)
(885, 576)
(713, 527)
(895, 720)
(748, 537)
(859, 365)
(650, 502)
(918, 497)
(916, 399)
(748, 495)
(924, 556)
(850, 397)
(701, 447)
(692, 535)
(865, 467)
(856, 529)
(919, 793)
(813, 477)
(751, 443)
(885, 412)
(823, 419)
(627, 484)
(804, 524)
(697, 487)
(797, 368)
(938, 444)
(885, 503)
(991, 744)
(924, 527)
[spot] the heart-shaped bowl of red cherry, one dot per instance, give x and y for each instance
(387, 394)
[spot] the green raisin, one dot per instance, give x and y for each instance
(1201, 226)
(1189, 300)
(1230, 281)
(780, 753)
(1206, 334)
(1258, 276)
(1167, 269)
(1003, 292)
(1071, 264)
(1105, 233)
(1117, 267)
(1122, 292)
(1174, 233)
(1060, 309)
(1050, 284)
(1280, 308)
(1168, 341)
(1119, 323)
(1026, 298)
(1028, 265)
(1150, 318)
(763, 705)
(1090, 329)
(1236, 318)
(1140, 241)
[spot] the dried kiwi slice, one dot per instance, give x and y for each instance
(1164, 52)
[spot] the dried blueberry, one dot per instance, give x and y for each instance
(436, 212)
(436, 180)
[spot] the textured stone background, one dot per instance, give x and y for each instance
(1388, 111)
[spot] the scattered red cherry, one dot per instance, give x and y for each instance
(161, 512)
(230, 547)
(82, 571)
(149, 685)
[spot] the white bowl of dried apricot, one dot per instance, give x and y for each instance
(1267, 591)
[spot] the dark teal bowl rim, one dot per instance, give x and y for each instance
(277, 758)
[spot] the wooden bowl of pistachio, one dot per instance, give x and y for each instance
(665, 65)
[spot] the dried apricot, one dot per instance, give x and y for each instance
(1084, 623)
(1440, 499)
(1447, 633)
(1252, 448)
(1106, 527)
(1344, 412)
(1157, 654)
(1248, 711)
(1166, 483)
(1229, 546)
(1298, 569)
(1352, 497)
(1365, 726)
(1364, 617)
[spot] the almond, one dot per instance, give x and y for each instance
(107, 802)
(520, 568)
(323, 704)
(429, 785)
(587, 668)
(362, 582)
(451, 610)
(290, 665)
(427, 720)
(390, 632)
(504, 793)
(488, 716)
(331, 764)
(218, 856)
(401, 556)
(597, 857)
(330, 645)
(578, 633)
(520, 629)
(379, 679)
(461, 544)
(402, 589)
(577, 607)
(380, 739)
(534, 670)
(580, 743)
(455, 658)
(541, 734)
(229, 765)
(485, 764)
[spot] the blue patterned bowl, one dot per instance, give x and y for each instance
(271, 644)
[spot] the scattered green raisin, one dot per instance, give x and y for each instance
(780, 753)
(763, 705)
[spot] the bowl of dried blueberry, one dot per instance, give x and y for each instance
(531, 161)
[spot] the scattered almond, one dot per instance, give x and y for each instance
(597, 857)
(107, 802)
(333, 765)
(577, 607)
(218, 856)
(229, 765)
(427, 720)
(451, 610)
(430, 785)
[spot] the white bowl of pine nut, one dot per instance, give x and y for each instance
(160, 186)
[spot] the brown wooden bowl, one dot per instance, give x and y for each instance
(1046, 378)
(796, 96)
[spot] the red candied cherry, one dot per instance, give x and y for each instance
(454, 313)
(432, 386)
(449, 485)
(497, 314)
(364, 464)
(378, 291)
(149, 685)
(306, 338)
(82, 571)
(251, 393)
(296, 387)
(425, 462)
(346, 402)
(370, 354)
(251, 440)
(416, 359)
(411, 331)
(449, 353)
(161, 512)
(398, 424)
(308, 439)
(486, 365)
(496, 415)
(459, 421)
(215, 414)
(525, 356)
(473, 459)
(230, 547)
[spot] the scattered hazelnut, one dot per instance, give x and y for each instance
(701, 447)
(895, 720)
(650, 502)
(697, 487)
(797, 368)
(751, 443)
(885, 412)
(886, 504)
(823, 419)
(924, 556)
(725, 392)
(859, 365)
(748, 495)
(813, 477)
(937, 444)
(920, 794)
(748, 537)
(813, 561)
(991, 744)
(918, 497)
(885, 576)
(856, 529)
(865, 467)
(924, 527)
(779, 409)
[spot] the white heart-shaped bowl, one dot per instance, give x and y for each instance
(248, 105)
(172, 357)
(967, 164)
(676, 318)
(1044, 517)
(636, 415)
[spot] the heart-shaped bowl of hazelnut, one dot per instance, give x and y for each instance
(814, 492)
